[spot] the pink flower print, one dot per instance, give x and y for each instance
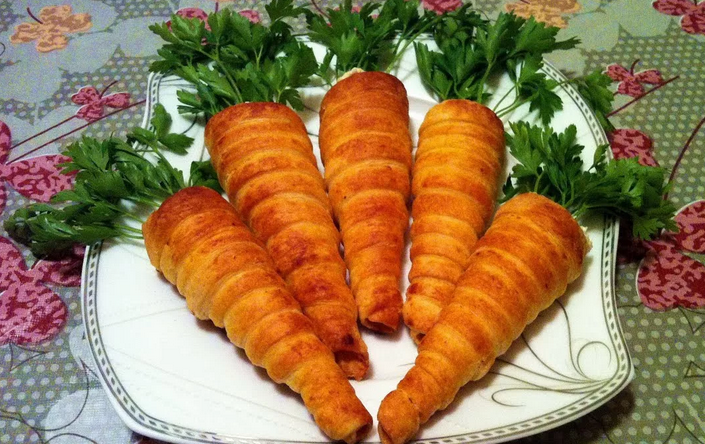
(30, 312)
(692, 13)
(190, 13)
(38, 178)
(631, 83)
(198, 13)
(667, 278)
(94, 103)
(441, 6)
(691, 221)
(251, 15)
(627, 143)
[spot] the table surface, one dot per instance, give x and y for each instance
(80, 67)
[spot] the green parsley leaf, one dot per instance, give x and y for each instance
(113, 177)
(371, 37)
(594, 88)
(550, 164)
(235, 61)
(473, 50)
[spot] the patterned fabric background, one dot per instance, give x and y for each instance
(79, 67)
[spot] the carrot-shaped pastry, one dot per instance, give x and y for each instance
(366, 149)
(454, 182)
(532, 250)
(198, 242)
(265, 163)
(460, 153)
(264, 159)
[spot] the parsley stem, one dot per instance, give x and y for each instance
(130, 229)
(408, 40)
(503, 112)
(224, 69)
(173, 172)
(538, 182)
(483, 81)
(503, 98)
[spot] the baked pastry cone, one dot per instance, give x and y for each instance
(197, 241)
(265, 163)
(454, 182)
(366, 149)
(529, 254)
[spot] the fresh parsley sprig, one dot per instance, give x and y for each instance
(594, 88)
(233, 60)
(549, 163)
(371, 38)
(113, 179)
(472, 50)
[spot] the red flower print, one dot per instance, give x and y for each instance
(38, 178)
(30, 312)
(192, 13)
(441, 6)
(692, 13)
(627, 142)
(691, 221)
(251, 15)
(631, 83)
(667, 278)
(94, 102)
(198, 13)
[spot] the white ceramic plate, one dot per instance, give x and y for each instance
(174, 378)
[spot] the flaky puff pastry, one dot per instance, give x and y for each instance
(454, 181)
(265, 163)
(197, 241)
(366, 149)
(532, 250)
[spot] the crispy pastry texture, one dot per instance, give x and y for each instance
(197, 241)
(454, 182)
(265, 163)
(366, 150)
(530, 253)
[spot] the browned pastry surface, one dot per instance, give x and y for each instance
(265, 163)
(198, 242)
(529, 254)
(366, 150)
(454, 182)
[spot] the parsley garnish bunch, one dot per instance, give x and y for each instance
(115, 179)
(371, 38)
(549, 164)
(233, 60)
(471, 50)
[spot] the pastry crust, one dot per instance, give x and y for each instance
(366, 149)
(531, 252)
(454, 182)
(197, 241)
(265, 163)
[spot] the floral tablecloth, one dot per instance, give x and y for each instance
(79, 67)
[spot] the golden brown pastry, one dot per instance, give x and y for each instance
(265, 163)
(366, 150)
(454, 182)
(529, 254)
(197, 241)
